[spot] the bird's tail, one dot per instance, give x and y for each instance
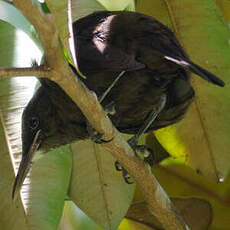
(206, 75)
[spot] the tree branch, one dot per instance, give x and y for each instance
(39, 71)
(158, 202)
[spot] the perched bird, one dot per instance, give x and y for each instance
(154, 91)
(154, 61)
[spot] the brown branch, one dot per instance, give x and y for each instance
(158, 202)
(38, 71)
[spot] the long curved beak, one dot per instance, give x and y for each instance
(26, 163)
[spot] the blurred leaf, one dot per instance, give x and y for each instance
(15, 92)
(196, 212)
(174, 145)
(7, 44)
(96, 187)
(118, 5)
(59, 8)
(17, 49)
(225, 10)
(179, 180)
(128, 224)
(74, 219)
(12, 213)
(159, 153)
(209, 148)
(13, 16)
(205, 37)
(47, 188)
(82, 8)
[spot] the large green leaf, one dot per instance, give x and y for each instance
(12, 213)
(17, 50)
(47, 188)
(96, 187)
(205, 130)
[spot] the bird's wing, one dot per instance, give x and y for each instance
(97, 54)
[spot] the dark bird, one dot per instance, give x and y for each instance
(154, 91)
(155, 64)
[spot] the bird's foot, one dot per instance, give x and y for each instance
(142, 152)
(94, 135)
(110, 108)
(126, 176)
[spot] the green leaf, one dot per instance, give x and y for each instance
(14, 94)
(47, 189)
(73, 218)
(17, 48)
(13, 16)
(96, 187)
(118, 5)
(206, 38)
(12, 213)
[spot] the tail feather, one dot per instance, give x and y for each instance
(206, 75)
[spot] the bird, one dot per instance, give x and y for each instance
(153, 92)
(155, 63)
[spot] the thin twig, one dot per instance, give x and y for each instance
(38, 71)
(111, 86)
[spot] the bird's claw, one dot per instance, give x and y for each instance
(110, 108)
(142, 152)
(118, 166)
(125, 174)
(95, 136)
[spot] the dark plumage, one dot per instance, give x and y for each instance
(109, 42)
(106, 44)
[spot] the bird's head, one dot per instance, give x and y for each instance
(38, 123)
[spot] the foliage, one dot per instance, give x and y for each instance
(202, 139)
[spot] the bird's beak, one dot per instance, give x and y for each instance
(25, 164)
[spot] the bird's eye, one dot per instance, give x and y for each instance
(34, 122)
